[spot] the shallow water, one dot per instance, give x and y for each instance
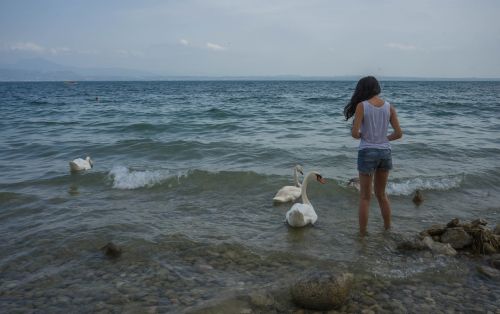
(183, 180)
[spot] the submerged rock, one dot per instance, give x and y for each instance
(456, 237)
(411, 244)
(112, 250)
(322, 290)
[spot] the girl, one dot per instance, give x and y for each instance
(372, 116)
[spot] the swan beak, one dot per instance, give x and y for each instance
(320, 179)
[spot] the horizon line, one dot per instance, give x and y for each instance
(159, 78)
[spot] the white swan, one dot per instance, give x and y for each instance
(290, 193)
(302, 214)
(81, 164)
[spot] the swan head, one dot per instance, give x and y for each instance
(320, 178)
(299, 169)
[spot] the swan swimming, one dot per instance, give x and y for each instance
(79, 164)
(302, 214)
(290, 193)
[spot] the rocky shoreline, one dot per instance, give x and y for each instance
(341, 292)
(473, 238)
(193, 277)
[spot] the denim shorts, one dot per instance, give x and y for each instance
(371, 159)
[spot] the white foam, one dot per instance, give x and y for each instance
(124, 178)
(407, 187)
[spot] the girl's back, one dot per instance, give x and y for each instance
(375, 125)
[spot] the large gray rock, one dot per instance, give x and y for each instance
(456, 237)
(439, 248)
(322, 290)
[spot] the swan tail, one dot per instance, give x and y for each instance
(73, 166)
(296, 218)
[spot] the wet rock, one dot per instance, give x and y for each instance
(478, 222)
(322, 290)
(455, 222)
(418, 198)
(112, 250)
(456, 237)
(439, 248)
(489, 249)
(489, 271)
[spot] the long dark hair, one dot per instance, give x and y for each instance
(366, 88)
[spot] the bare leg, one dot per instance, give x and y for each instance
(380, 183)
(365, 185)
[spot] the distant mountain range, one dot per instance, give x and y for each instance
(38, 69)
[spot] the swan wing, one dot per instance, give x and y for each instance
(287, 194)
(79, 164)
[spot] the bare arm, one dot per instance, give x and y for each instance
(397, 133)
(356, 124)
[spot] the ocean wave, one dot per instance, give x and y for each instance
(126, 179)
(408, 186)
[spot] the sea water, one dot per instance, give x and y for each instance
(183, 180)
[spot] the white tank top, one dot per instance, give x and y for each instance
(374, 126)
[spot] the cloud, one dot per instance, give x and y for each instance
(27, 46)
(129, 53)
(399, 46)
(184, 42)
(36, 48)
(215, 47)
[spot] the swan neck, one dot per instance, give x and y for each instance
(305, 199)
(296, 177)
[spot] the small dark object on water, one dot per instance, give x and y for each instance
(112, 250)
(418, 199)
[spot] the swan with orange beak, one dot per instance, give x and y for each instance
(302, 214)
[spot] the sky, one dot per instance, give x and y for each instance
(425, 38)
